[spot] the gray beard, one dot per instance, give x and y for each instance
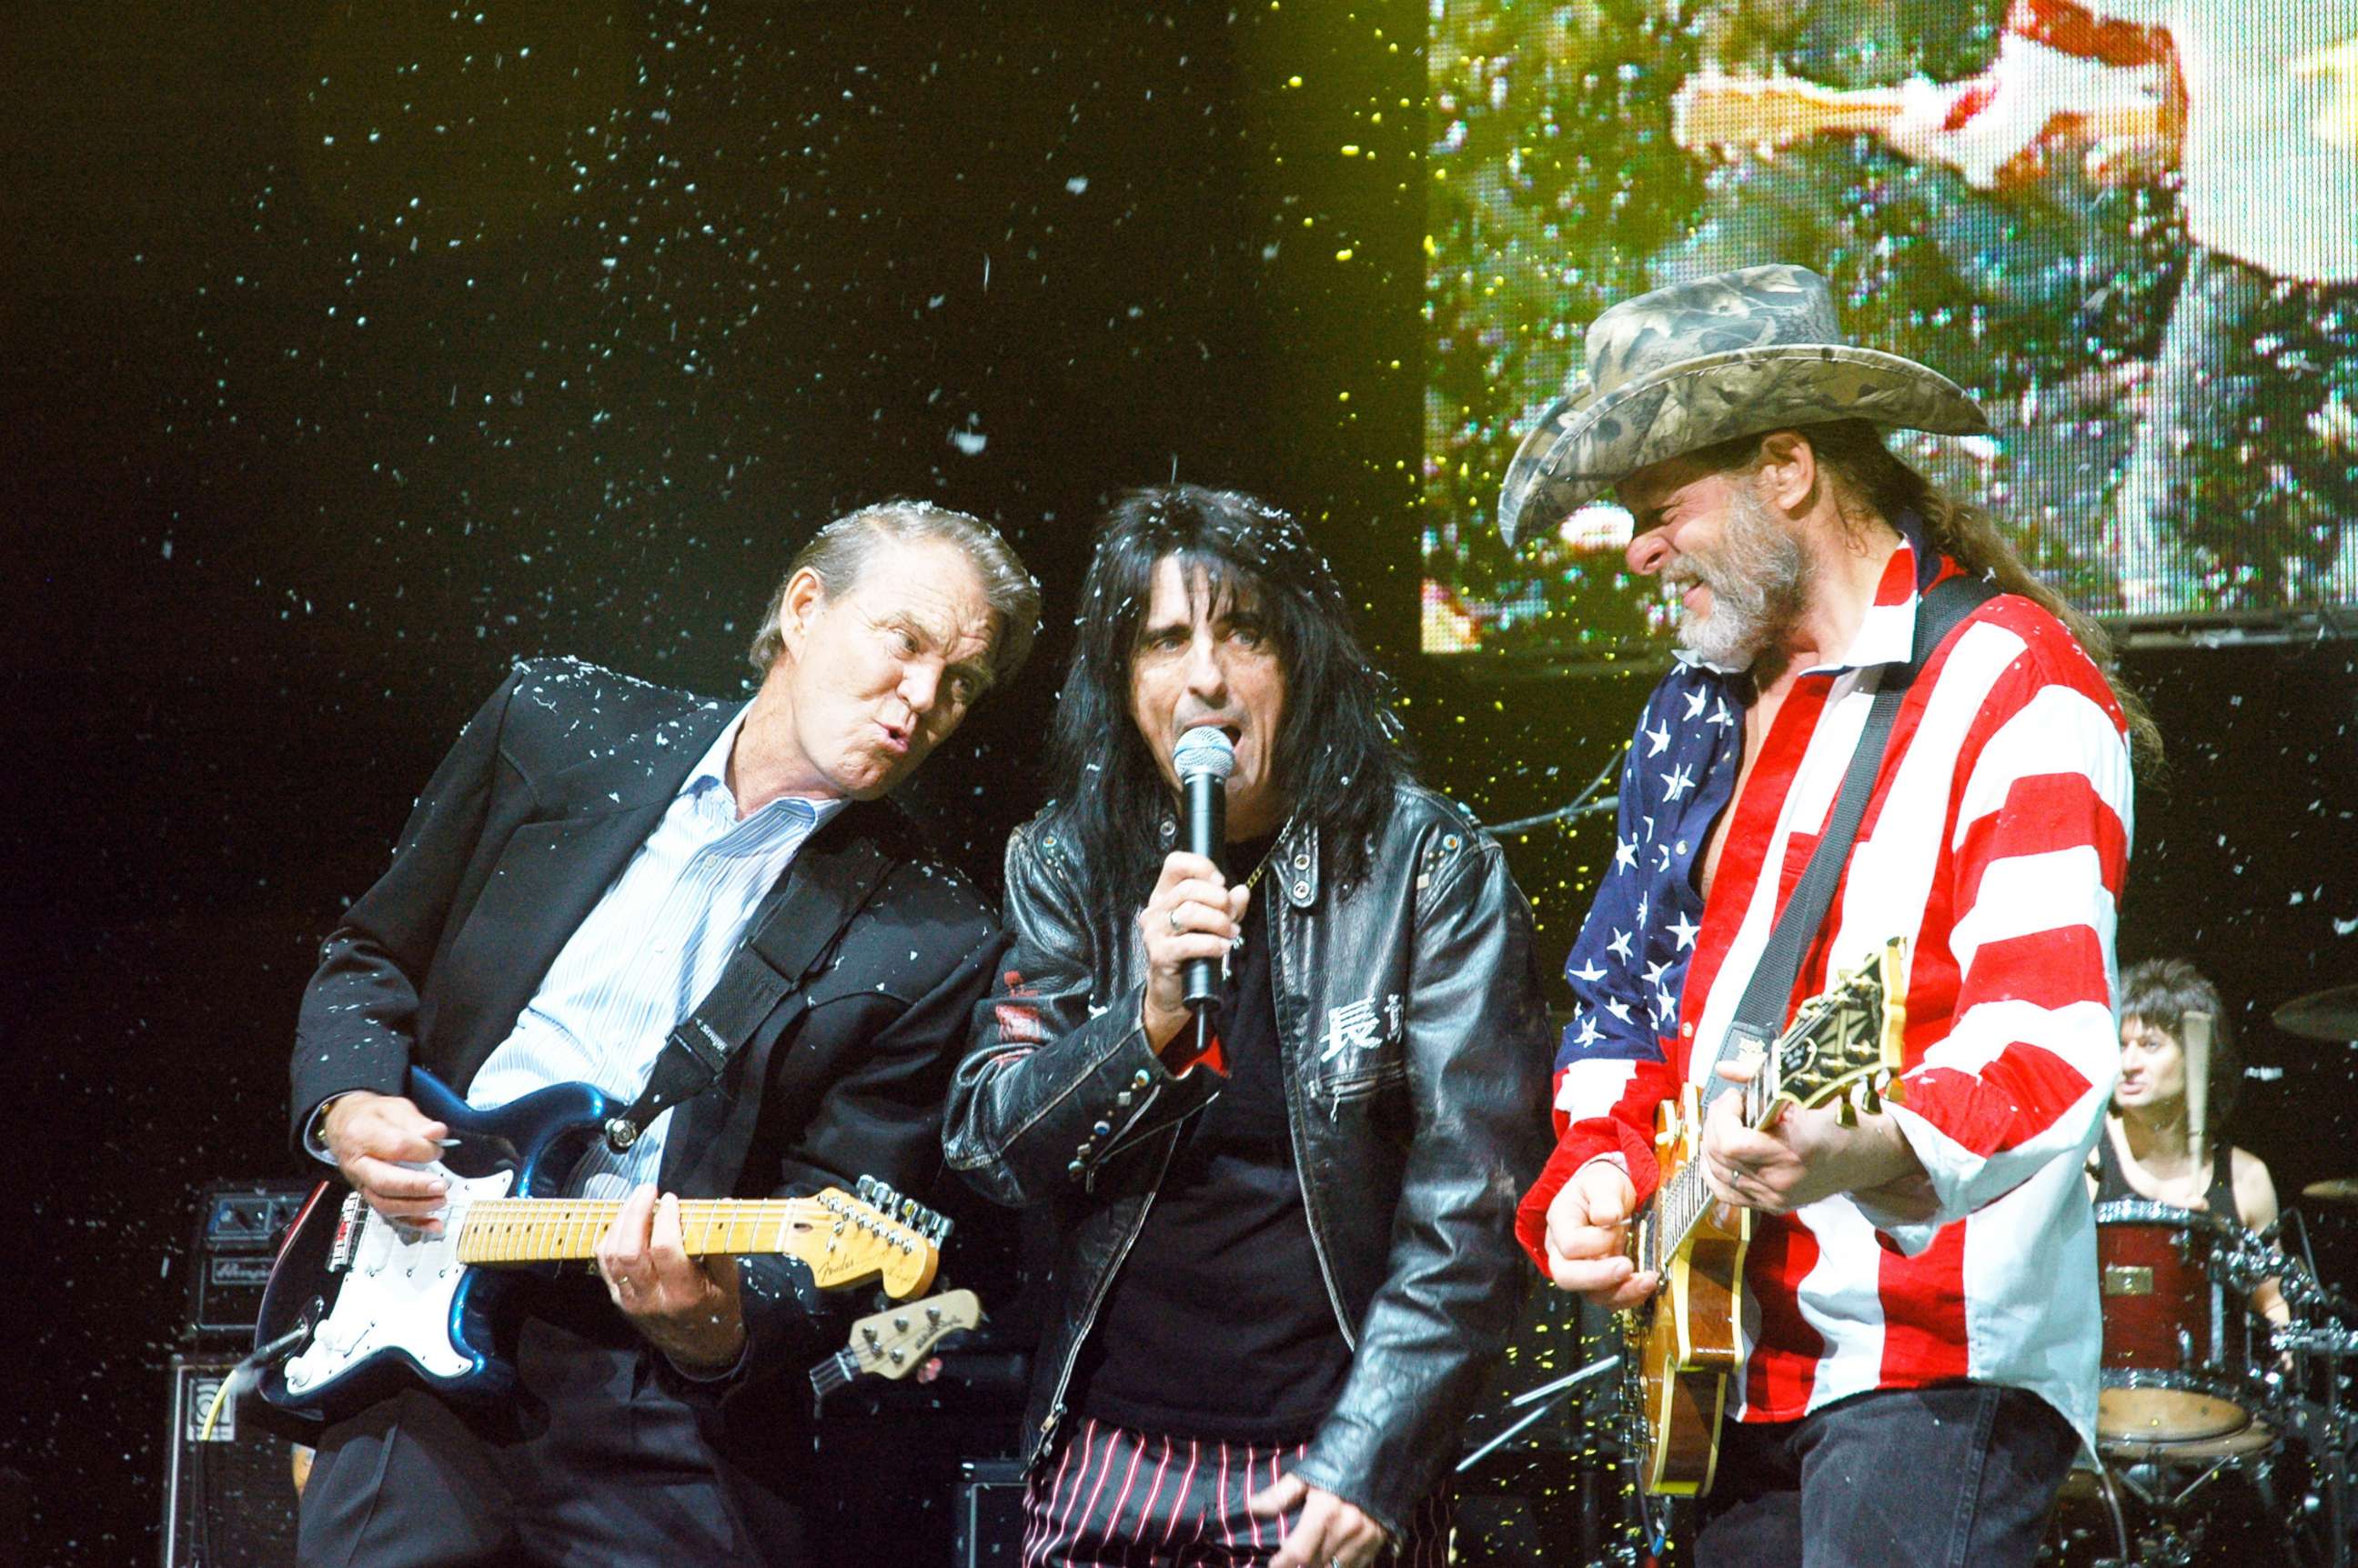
(1759, 578)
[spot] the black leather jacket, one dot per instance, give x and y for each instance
(1416, 1058)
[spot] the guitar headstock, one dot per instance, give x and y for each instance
(934, 1226)
(879, 1233)
(1845, 1045)
(893, 1343)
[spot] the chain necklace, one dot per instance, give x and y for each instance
(1236, 942)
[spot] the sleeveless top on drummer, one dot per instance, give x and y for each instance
(2112, 1181)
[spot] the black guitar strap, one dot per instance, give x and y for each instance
(1760, 1015)
(788, 938)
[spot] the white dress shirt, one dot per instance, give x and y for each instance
(646, 954)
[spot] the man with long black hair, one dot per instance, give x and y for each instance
(1286, 1248)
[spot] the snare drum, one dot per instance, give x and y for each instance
(2185, 1358)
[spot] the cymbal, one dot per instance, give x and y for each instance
(2334, 1189)
(2321, 1015)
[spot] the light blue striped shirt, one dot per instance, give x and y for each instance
(646, 954)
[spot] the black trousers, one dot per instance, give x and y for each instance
(1960, 1476)
(589, 1461)
(1104, 1495)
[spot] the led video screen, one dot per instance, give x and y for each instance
(2128, 228)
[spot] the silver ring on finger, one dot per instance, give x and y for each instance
(1172, 914)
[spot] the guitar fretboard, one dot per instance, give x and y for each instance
(1680, 1203)
(1843, 1025)
(541, 1230)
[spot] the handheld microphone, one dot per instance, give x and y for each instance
(1204, 759)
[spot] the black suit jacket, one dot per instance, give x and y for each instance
(550, 789)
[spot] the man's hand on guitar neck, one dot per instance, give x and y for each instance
(688, 1309)
(1799, 1156)
(382, 1144)
(1588, 1237)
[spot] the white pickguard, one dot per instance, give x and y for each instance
(396, 1294)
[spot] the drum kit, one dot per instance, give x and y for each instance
(2223, 1436)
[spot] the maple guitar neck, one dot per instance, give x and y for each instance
(545, 1231)
(1744, 111)
(1762, 114)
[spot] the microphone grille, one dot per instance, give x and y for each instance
(1203, 750)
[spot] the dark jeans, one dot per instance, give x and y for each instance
(589, 1460)
(1956, 1477)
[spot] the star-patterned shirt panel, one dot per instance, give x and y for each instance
(1627, 969)
(1630, 959)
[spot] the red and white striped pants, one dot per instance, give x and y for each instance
(1105, 1494)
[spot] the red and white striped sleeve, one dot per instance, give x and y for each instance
(2038, 850)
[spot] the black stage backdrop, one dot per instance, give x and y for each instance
(349, 351)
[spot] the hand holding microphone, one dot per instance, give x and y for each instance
(1192, 916)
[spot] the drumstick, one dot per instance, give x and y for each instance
(2195, 1040)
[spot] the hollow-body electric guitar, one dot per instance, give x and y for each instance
(1844, 1045)
(358, 1305)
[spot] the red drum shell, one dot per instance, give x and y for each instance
(2179, 1363)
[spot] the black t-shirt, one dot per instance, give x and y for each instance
(1218, 1325)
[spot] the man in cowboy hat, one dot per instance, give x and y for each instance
(1921, 1284)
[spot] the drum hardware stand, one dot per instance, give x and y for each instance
(2149, 1491)
(2106, 1489)
(1546, 1396)
(2325, 1428)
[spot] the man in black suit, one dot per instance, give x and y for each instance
(571, 882)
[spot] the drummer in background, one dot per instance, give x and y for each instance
(2147, 1148)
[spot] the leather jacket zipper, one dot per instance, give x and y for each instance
(1294, 1115)
(1126, 1136)
(1097, 1296)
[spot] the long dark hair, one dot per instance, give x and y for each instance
(1338, 750)
(1853, 451)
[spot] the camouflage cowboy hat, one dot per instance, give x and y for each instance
(1754, 349)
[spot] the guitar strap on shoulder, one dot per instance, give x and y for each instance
(786, 942)
(1760, 1015)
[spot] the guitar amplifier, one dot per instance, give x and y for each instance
(988, 1520)
(229, 1501)
(238, 1226)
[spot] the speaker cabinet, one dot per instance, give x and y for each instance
(229, 1501)
(989, 1518)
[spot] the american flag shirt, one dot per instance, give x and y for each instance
(1994, 840)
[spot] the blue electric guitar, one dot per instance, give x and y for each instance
(358, 1305)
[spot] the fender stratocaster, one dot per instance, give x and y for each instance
(1844, 1045)
(357, 1305)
